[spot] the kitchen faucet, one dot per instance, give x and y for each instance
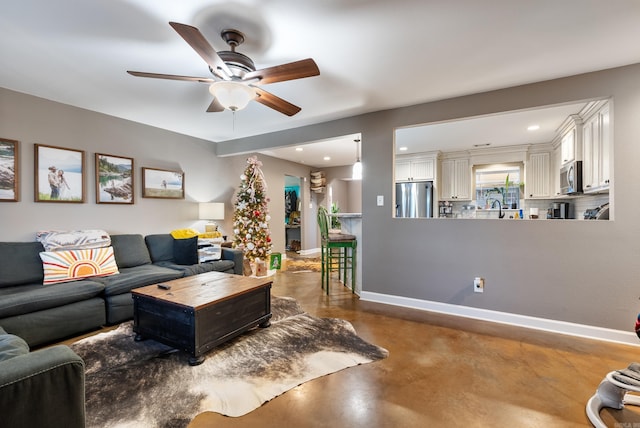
(493, 205)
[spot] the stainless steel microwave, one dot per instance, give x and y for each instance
(571, 178)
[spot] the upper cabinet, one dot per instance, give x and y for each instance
(538, 184)
(415, 168)
(456, 180)
(556, 164)
(570, 134)
(596, 148)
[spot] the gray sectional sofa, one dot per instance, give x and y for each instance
(44, 388)
(42, 314)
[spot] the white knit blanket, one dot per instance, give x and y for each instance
(55, 240)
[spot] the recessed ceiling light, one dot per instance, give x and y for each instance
(482, 145)
(299, 149)
(533, 128)
(403, 149)
(327, 158)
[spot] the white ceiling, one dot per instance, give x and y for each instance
(372, 54)
(505, 129)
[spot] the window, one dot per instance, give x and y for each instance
(498, 182)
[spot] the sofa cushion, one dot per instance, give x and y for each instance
(130, 278)
(194, 269)
(59, 322)
(160, 247)
(12, 346)
(185, 251)
(64, 266)
(130, 250)
(20, 263)
(25, 299)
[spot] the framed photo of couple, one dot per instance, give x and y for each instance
(59, 174)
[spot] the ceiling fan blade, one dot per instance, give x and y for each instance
(215, 106)
(196, 40)
(280, 73)
(170, 77)
(276, 103)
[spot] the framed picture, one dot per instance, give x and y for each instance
(9, 177)
(114, 179)
(163, 184)
(59, 174)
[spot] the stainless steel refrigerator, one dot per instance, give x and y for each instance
(414, 199)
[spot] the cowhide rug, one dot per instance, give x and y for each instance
(309, 264)
(147, 384)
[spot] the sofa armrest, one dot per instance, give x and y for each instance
(43, 387)
(237, 256)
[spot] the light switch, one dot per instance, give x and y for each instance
(380, 200)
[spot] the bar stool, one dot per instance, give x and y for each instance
(338, 252)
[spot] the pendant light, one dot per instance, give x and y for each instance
(357, 167)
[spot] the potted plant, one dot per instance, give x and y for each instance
(335, 222)
(507, 185)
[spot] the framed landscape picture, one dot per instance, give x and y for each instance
(59, 174)
(163, 184)
(114, 179)
(9, 177)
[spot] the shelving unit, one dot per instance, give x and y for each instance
(318, 182)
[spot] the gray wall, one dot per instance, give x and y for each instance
(346, 193)
(581, 272)
(32, 120)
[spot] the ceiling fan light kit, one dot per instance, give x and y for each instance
(235, 79)
(232, 95)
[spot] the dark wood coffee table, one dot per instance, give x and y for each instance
(198, 313)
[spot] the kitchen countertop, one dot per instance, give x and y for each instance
(346, 215)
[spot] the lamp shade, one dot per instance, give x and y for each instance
(211, 211)
(357, 170)
(357, 167)
(232, 95)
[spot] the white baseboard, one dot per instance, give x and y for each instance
(309, 252)
(554, 326)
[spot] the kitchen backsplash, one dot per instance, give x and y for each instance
(579, 204)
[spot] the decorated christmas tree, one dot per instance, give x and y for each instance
(251, 216)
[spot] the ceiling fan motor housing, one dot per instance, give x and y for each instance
(238, 63)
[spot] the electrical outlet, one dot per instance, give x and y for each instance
(380, 200)
(478, 285)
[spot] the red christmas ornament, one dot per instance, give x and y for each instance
(256, 213)
(268, 239)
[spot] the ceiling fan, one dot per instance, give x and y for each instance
(235, 80)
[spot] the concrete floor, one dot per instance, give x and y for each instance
(443, 371)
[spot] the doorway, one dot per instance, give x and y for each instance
(292, 213)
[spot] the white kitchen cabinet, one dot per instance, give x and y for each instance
(605, 148)
(456, 180)
(570, 138)
(596, 147)
(415, 168)
(556, 163)
(569, 146)
(538, 176)
(589, 176)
